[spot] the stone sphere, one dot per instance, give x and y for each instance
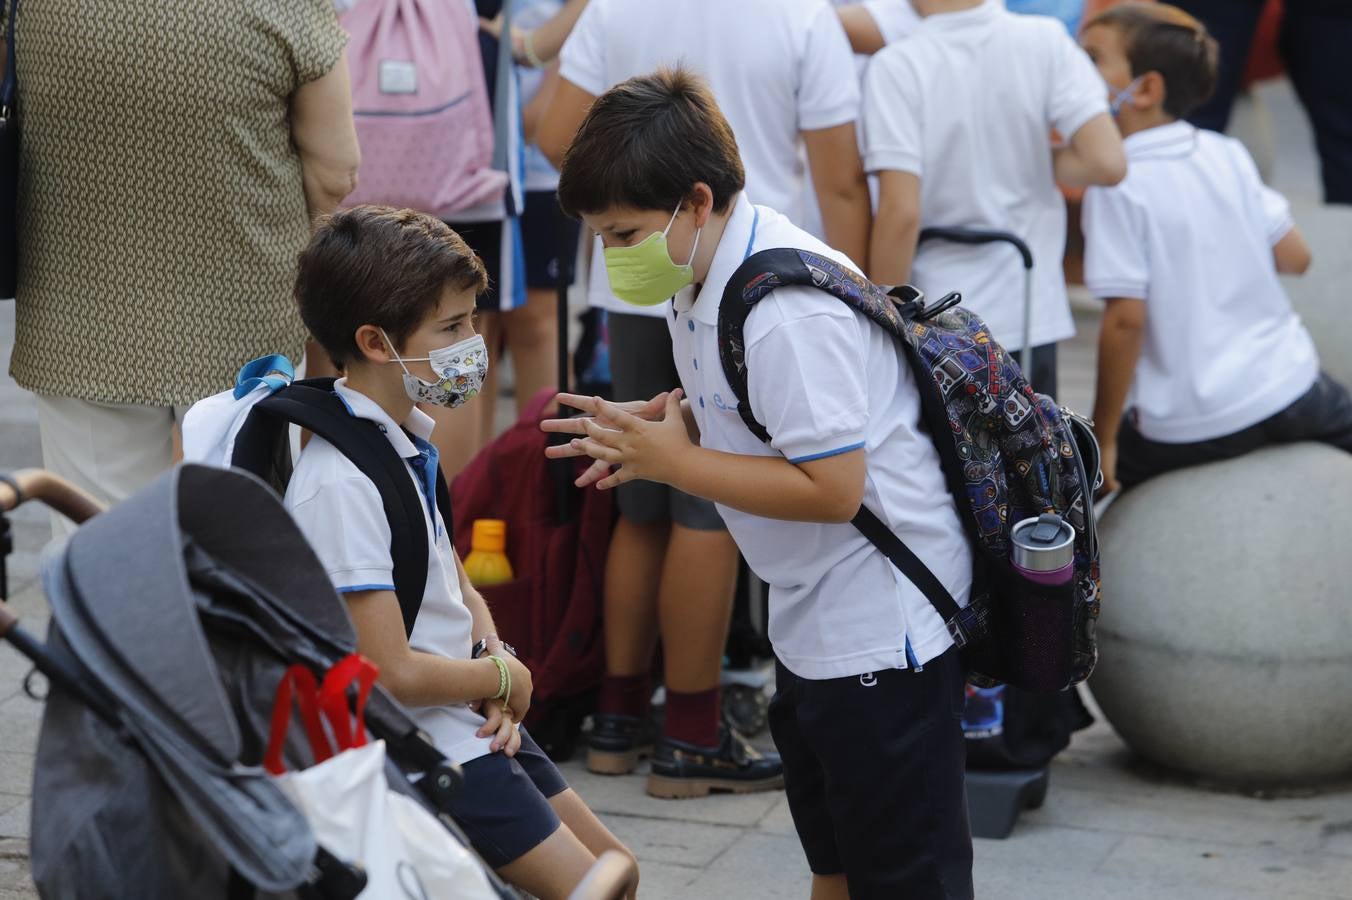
(1225, 641)
(1320, 296)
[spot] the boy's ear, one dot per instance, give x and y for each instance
(1151, 92)
(701, 203)
(372, 346)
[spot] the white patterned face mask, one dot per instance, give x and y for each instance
(460, 368)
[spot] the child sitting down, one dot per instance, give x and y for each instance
(390, 295)
(1199, 344)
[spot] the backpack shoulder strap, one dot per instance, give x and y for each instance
(767, 270)
(313, 405)
(760, 274)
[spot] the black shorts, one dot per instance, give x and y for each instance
(1323, 414)
(641, 367)
(485, 239)
(874, 774)
(503, 806)
(550, 240)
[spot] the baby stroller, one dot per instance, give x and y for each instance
(175, 616)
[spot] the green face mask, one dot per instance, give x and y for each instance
(644, 274)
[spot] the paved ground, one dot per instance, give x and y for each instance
(1111, 828)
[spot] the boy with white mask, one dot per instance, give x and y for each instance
(390, 294)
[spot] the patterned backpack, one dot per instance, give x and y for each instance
(1007, 453)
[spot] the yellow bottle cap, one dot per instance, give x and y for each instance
(489, 535)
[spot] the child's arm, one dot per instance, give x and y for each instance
(861, 28)
(842, 189)
(1292, 254)
(413, 677)
(821, 490)
(1093, 156)
(897, 227)
(1120, 339)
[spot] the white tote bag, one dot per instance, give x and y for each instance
(403, 848)
(405, 851)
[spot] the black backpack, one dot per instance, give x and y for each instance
(1007, 453)
(262, 447)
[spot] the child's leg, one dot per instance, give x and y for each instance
(830, 887)
(874, 770)
(502, 808)
(552, 868)
(581, 821)
(694, 608)
(1042, 369)
(1323, 414)
(532, 334)
(1139, 458)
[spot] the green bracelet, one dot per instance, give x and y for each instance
(528, 47)
(504, 680)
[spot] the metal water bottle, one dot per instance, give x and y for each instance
(1044, 549)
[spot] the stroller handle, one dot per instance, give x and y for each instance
(57, 493)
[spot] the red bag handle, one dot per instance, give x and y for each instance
(330, 700)
(300, 682)
(349, 730)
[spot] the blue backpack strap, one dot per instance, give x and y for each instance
(261, 447)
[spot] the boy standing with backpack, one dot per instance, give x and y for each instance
(870, 687)
(957, 122)
(1199, 343)
(390, 294)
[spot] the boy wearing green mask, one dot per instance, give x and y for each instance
(869, 686)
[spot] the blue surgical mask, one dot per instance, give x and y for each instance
(1116, 98)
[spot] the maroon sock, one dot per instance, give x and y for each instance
(625, 695)
(693, 718)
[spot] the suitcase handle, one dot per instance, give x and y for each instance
(976, 236)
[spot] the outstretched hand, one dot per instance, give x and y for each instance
(644, 439)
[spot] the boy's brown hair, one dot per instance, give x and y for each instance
(1164, 39)
(374, 265)
(646, 142)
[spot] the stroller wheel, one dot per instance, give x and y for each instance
(745, 709)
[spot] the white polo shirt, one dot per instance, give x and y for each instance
(777, 68)
(339, 511)
(825, 380)
(967, 103)
(1190, 231)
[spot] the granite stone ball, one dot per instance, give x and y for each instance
(1225, 637)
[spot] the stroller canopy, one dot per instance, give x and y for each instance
(130, 592)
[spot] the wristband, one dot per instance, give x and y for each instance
(504, 680)
(528, 47)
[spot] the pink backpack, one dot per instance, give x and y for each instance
(420, 106)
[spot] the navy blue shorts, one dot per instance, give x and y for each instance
(503, 805)
(550, 240)
(874, 775)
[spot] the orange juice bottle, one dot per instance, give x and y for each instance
(487, 563)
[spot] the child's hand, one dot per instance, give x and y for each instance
(501, 726)
(642, 441)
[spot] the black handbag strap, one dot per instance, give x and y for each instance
(910, 565)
